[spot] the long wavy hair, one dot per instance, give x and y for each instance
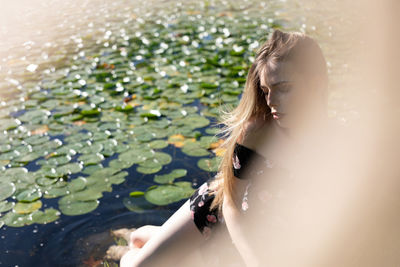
(294, 46)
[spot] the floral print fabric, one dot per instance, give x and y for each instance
(200, 203)
(201, 200)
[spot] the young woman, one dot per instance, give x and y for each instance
(285, 92)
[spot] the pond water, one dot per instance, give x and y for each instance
(108, 111)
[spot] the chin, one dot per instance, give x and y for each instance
(281, 123)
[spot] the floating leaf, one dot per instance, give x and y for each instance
(194, 150)
(69, 168)
(210, 165)
(149, 167)
(29, 195)
(91, 159)
(162, 158)
(170, 177)
(49, 215)
(26, 208)
(136, 194)
(6, 206)
(13, 219)
(90, 193)
(77, 184)
(6, 190)
(167, 194)
(92, 168)
(119, 177)
(79, 207)
(158, 144)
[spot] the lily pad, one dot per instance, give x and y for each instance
(119, 177)
(77, 184)
(79, 207)
(210, 165)
(162, 158)
(167, 194)
(6, 190)
(6, 206)
(136, 194)
(13, 219)
(91, 159)
(194, 149)
(29, 195)
(170, 177)
(69, 168)
(49, 215)
(158, 144)
(149, 167)
(26, 208)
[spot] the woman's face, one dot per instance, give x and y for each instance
(287, 93)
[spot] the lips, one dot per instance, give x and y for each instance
(277, 115)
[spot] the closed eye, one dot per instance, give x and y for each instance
(285, 88)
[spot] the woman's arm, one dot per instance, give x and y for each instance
(239, 239)
(177, 238)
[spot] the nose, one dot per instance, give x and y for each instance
(272, 99)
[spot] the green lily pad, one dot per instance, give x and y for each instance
(124, 108)
(27, 158)
(6, 190)
(162, 158)
(6, 206)
(49, 215)
(90, 193)
(167, 194)
(117, 163)
(170, 177)
(91, 159)
(158, 144)
(91, 112)
(118, 178)
(56, 192)
(29, 195)
(79, 207)
(149, 168)
(26, 208)
(44, 181)
(69, 168)
(210, 165)
(9, 124)
(136, 194)
(196, 121)
(194, 149)
(95, 148)
(55, 160)
(92, 168)
(13, 219)
(77, 184)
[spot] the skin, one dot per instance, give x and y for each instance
(175, 243)
(288, 93)
(285, 92)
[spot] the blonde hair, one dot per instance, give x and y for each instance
(294, 46)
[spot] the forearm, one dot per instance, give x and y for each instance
(239, 238)
(177, 238)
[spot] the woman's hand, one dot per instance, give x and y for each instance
(140, 236)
